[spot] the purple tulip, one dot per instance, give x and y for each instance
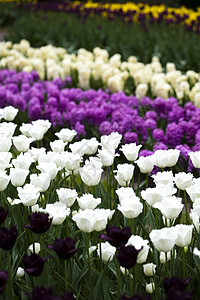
(116, 236)
(8, 237)
(39, 222)
(64, 248)
(3, 280)
(3, 214)
(127, 256)
(33, 264)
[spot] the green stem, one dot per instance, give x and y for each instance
(9, 287)
(135, 279)
(166, 264)
(67, 225)
(107, 206)
(186, 207)
(130, 284)
(147, 178)
(66, 275)
(89, 266)
(119, 280)
(138, 185)
(183, 263)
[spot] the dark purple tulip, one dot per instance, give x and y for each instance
(175, 288)
(39, 222)
(8, 237)
(64, 248)
(174, 294)
(3, 280)
(116, 236)
(127, 256)
(3, 214)
(33, 264)
(135, 297)
(41, 293)
(175, 283)
(68, 296)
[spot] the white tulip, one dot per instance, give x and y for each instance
(195, 220)
(46, 124)
(28, 195)
(193, 191)
(58, 146)
(107, 251)
(23, 161)
(18, 176)
(37, 132)
(87, 201)
(125, 193)
(131, 151)
(25, 129)
(41, 181)
(7, 129)
(163, 239)
(22, 143)
(58, 212)
(150, 287)
(48, 167)
(170, 207)
(73, 161)
(36, 152)
(138, 242)
(20, 272)
(195, 158)
(149, 269)
(90, 175)
(183, 180)
(36, 246)
(184, 234)
(107, 156)
(9, 113)
(66, 134)
(91, 146)
(196, 252)
(5, 144)
(111, 141)
(165, 178)
(124, 173)
(166, 158)
(5, 158)
(89, 220)
(164, 256)
(131, 207)
(79, 147)
(4, 180)
(67, 196)
(94, 161)
(145, 164)
(157, 194)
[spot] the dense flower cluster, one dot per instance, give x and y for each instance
(92, 69)
(128, 12)
(157, 124)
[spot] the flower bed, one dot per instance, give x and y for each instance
(157, 124)
(127, 12)
(74, 221)
(96, 70)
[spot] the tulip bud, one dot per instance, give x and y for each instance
(149, 269)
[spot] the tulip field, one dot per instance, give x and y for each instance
(99, 156)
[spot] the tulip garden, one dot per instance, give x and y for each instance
(99, 157)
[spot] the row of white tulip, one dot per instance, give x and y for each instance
(51, 62)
